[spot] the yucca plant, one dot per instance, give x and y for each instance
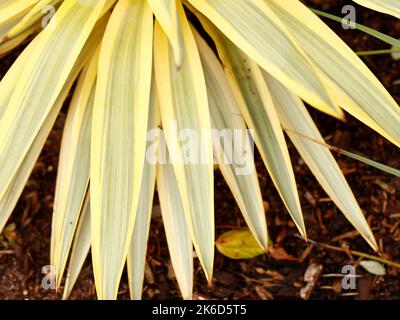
(140, 65)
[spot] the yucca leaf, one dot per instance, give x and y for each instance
(51, 60)
(7, 26)
(80, 248)
(380, 166)
(375, 164)
(176, 229)
(351, 83)
(256, 30)
(10, 79)
(73, 168)
(136, 259)
(370, 31)
(184, 106)
(225, 115)
(166, 14)
(14, 42)
(294, 116)
(394, 52)
(252, 95)
(119, 138)
(30, 18)
(10, 9)
(391, 7)
(14, 190)
(239, 244)
(20, 29)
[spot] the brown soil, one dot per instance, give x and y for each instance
(25, 249)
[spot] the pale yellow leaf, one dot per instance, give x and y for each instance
(80, 248)
(119, 138)
(14, 42)
(176, 229)
(232, 145)
(73, 168)
(256, 30)
(7, 85)
(255, 102)
(166, 14)
(352, 85)
(10, 9)
(53, 55)
(373, 267)
(184, 105)
(391, 7)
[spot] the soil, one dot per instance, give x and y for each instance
(24, 245)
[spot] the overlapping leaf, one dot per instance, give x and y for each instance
(73, 168)
(119, 138)
(7, 85)
(31, 18)
(80, 248)
(391, 7)
(166, 13)
(184, 106)
(54, 52)
(352, 84)
(176, 229)
(294, 116)
(137, 251)
(255, 102)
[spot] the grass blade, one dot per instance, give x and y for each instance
(251, 93)
(73, 168)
